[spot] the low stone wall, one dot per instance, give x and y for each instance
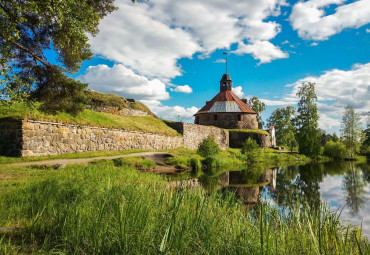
(194, 134)
(44, 138)
(35, 138)
(238, 137)
(115, 110)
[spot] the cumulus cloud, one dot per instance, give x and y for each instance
(124, 82)
(335, 90)
(367, 30)
(183, 89)
(264, 51)
(151, 37)
(238, 91)
(309, 18)
(171, 112)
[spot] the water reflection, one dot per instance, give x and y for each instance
(343, 185)
(354, 184)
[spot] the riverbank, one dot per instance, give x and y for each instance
(109, 207)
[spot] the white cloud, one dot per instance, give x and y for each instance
(309, 18)
(238, 91)
(183, 89)
(151, 37)
(132, 37)
(220, 60)
(124, 82)
(367, 30)
(269, 102)
(314, 44)
(264, 51)
(335, 90)
(171, 112)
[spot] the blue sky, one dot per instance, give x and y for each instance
(168, 53)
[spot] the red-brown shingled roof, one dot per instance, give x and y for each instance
(227, 96)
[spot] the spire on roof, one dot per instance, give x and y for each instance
(226, 83)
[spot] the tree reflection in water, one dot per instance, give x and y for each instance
(354, 184)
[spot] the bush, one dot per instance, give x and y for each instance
(195, 164)
(336, 150)
(208, 147)
(211, 162)
(249, 145)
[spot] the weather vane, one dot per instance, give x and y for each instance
(225, 53)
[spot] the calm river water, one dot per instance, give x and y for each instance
(343, 185)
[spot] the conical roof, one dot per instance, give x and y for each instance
(226, 101)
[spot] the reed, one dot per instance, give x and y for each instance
(107, 208)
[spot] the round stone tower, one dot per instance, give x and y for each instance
(226, 110)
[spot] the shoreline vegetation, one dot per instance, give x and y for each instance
(109, 207)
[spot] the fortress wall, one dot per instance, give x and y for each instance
(45, 138)
(36, 138)
(238, 137)
(194, 134)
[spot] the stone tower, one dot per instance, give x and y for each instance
(226, 110)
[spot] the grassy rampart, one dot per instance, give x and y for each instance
(90, 118)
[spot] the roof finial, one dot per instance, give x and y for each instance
(225, 53)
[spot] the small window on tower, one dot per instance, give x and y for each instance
(215, 117)
(239, 117)
(196, 119)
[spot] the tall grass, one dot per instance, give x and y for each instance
(109, 208)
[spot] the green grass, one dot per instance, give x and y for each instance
(108, 209)
(91, 118)
(113, 100)
(75, 155)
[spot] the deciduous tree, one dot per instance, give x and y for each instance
(282, 120)
(351, 130)
(258, 106)
(308, 135)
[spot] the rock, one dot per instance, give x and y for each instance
(59, 166)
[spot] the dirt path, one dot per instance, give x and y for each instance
(84, 160)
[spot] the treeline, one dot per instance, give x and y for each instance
(297, 128)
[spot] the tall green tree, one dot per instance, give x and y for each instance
(282, 120)
(351, 130)
(30, 28)
(308, 134)
(258, 106)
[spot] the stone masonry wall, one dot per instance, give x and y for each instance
(194, 134)
(44, 138)
(237, 138)
(35, 138)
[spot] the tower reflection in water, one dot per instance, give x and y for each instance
(247, 187)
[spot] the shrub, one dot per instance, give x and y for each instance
(208, 147)
(335, 150)
(249, 145)
(211, 162)
(195, 164)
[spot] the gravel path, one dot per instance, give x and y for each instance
(83, 160)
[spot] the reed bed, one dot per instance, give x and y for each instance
(108, 209)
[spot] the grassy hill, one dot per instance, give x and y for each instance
(111, 100)
(90, 118)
